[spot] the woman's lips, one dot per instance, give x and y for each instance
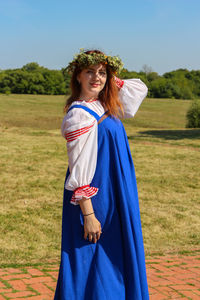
(94, 84)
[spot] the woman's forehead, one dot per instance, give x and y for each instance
(97, 67)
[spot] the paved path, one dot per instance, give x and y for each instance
(175, 277)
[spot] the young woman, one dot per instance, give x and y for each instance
(102, 255)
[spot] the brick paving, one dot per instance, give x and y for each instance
(172, 277)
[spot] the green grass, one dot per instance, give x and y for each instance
(33, 162)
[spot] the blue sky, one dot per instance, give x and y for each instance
(163, 34)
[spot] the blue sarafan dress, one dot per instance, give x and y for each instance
(114, 267)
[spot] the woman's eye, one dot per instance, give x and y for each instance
(102, 73)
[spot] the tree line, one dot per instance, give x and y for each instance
(35, 79)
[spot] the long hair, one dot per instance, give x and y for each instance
(108, 96)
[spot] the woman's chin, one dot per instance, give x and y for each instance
(93, 92)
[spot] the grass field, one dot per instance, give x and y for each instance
(33, 162)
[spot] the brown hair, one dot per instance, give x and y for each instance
(108, 96)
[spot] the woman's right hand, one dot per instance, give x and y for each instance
(92, 228)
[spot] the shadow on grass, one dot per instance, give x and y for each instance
(171, 134)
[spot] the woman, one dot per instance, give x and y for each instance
(102, 255)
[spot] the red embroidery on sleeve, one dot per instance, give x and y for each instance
(119, 82)
(73, 135)
(84, 191)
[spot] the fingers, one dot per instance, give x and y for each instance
(85, 235)
(98, 234)
(92, 237)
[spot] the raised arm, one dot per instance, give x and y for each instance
(131, 93)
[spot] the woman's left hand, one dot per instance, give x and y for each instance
(92, 228)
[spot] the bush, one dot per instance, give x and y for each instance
(193, 115)
(6, 90)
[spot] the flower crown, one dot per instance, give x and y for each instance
(83, 60)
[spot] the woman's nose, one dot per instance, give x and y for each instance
(96, 75)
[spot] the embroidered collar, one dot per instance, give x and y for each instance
(88, 101)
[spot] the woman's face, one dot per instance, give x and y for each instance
(92, 80)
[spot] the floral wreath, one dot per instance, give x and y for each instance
(83, 60)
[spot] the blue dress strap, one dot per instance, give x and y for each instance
(87, 109)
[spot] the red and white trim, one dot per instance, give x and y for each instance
(119, 82)
(92, 100)
(89, 101)
(85, 191)
(73, 135)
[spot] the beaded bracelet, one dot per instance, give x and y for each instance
(89, 214)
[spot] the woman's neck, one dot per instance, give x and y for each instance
(87, 98)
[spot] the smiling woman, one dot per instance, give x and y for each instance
(102, 255)
(95, 62)
(92, 81)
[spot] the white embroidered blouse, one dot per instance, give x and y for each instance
(80, 130)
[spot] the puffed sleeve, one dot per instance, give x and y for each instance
(79, 128)
(131, 93)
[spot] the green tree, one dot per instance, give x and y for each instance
(193, 115)
(35, 79)
(32, 67)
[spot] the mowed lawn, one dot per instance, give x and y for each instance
(33, 163)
